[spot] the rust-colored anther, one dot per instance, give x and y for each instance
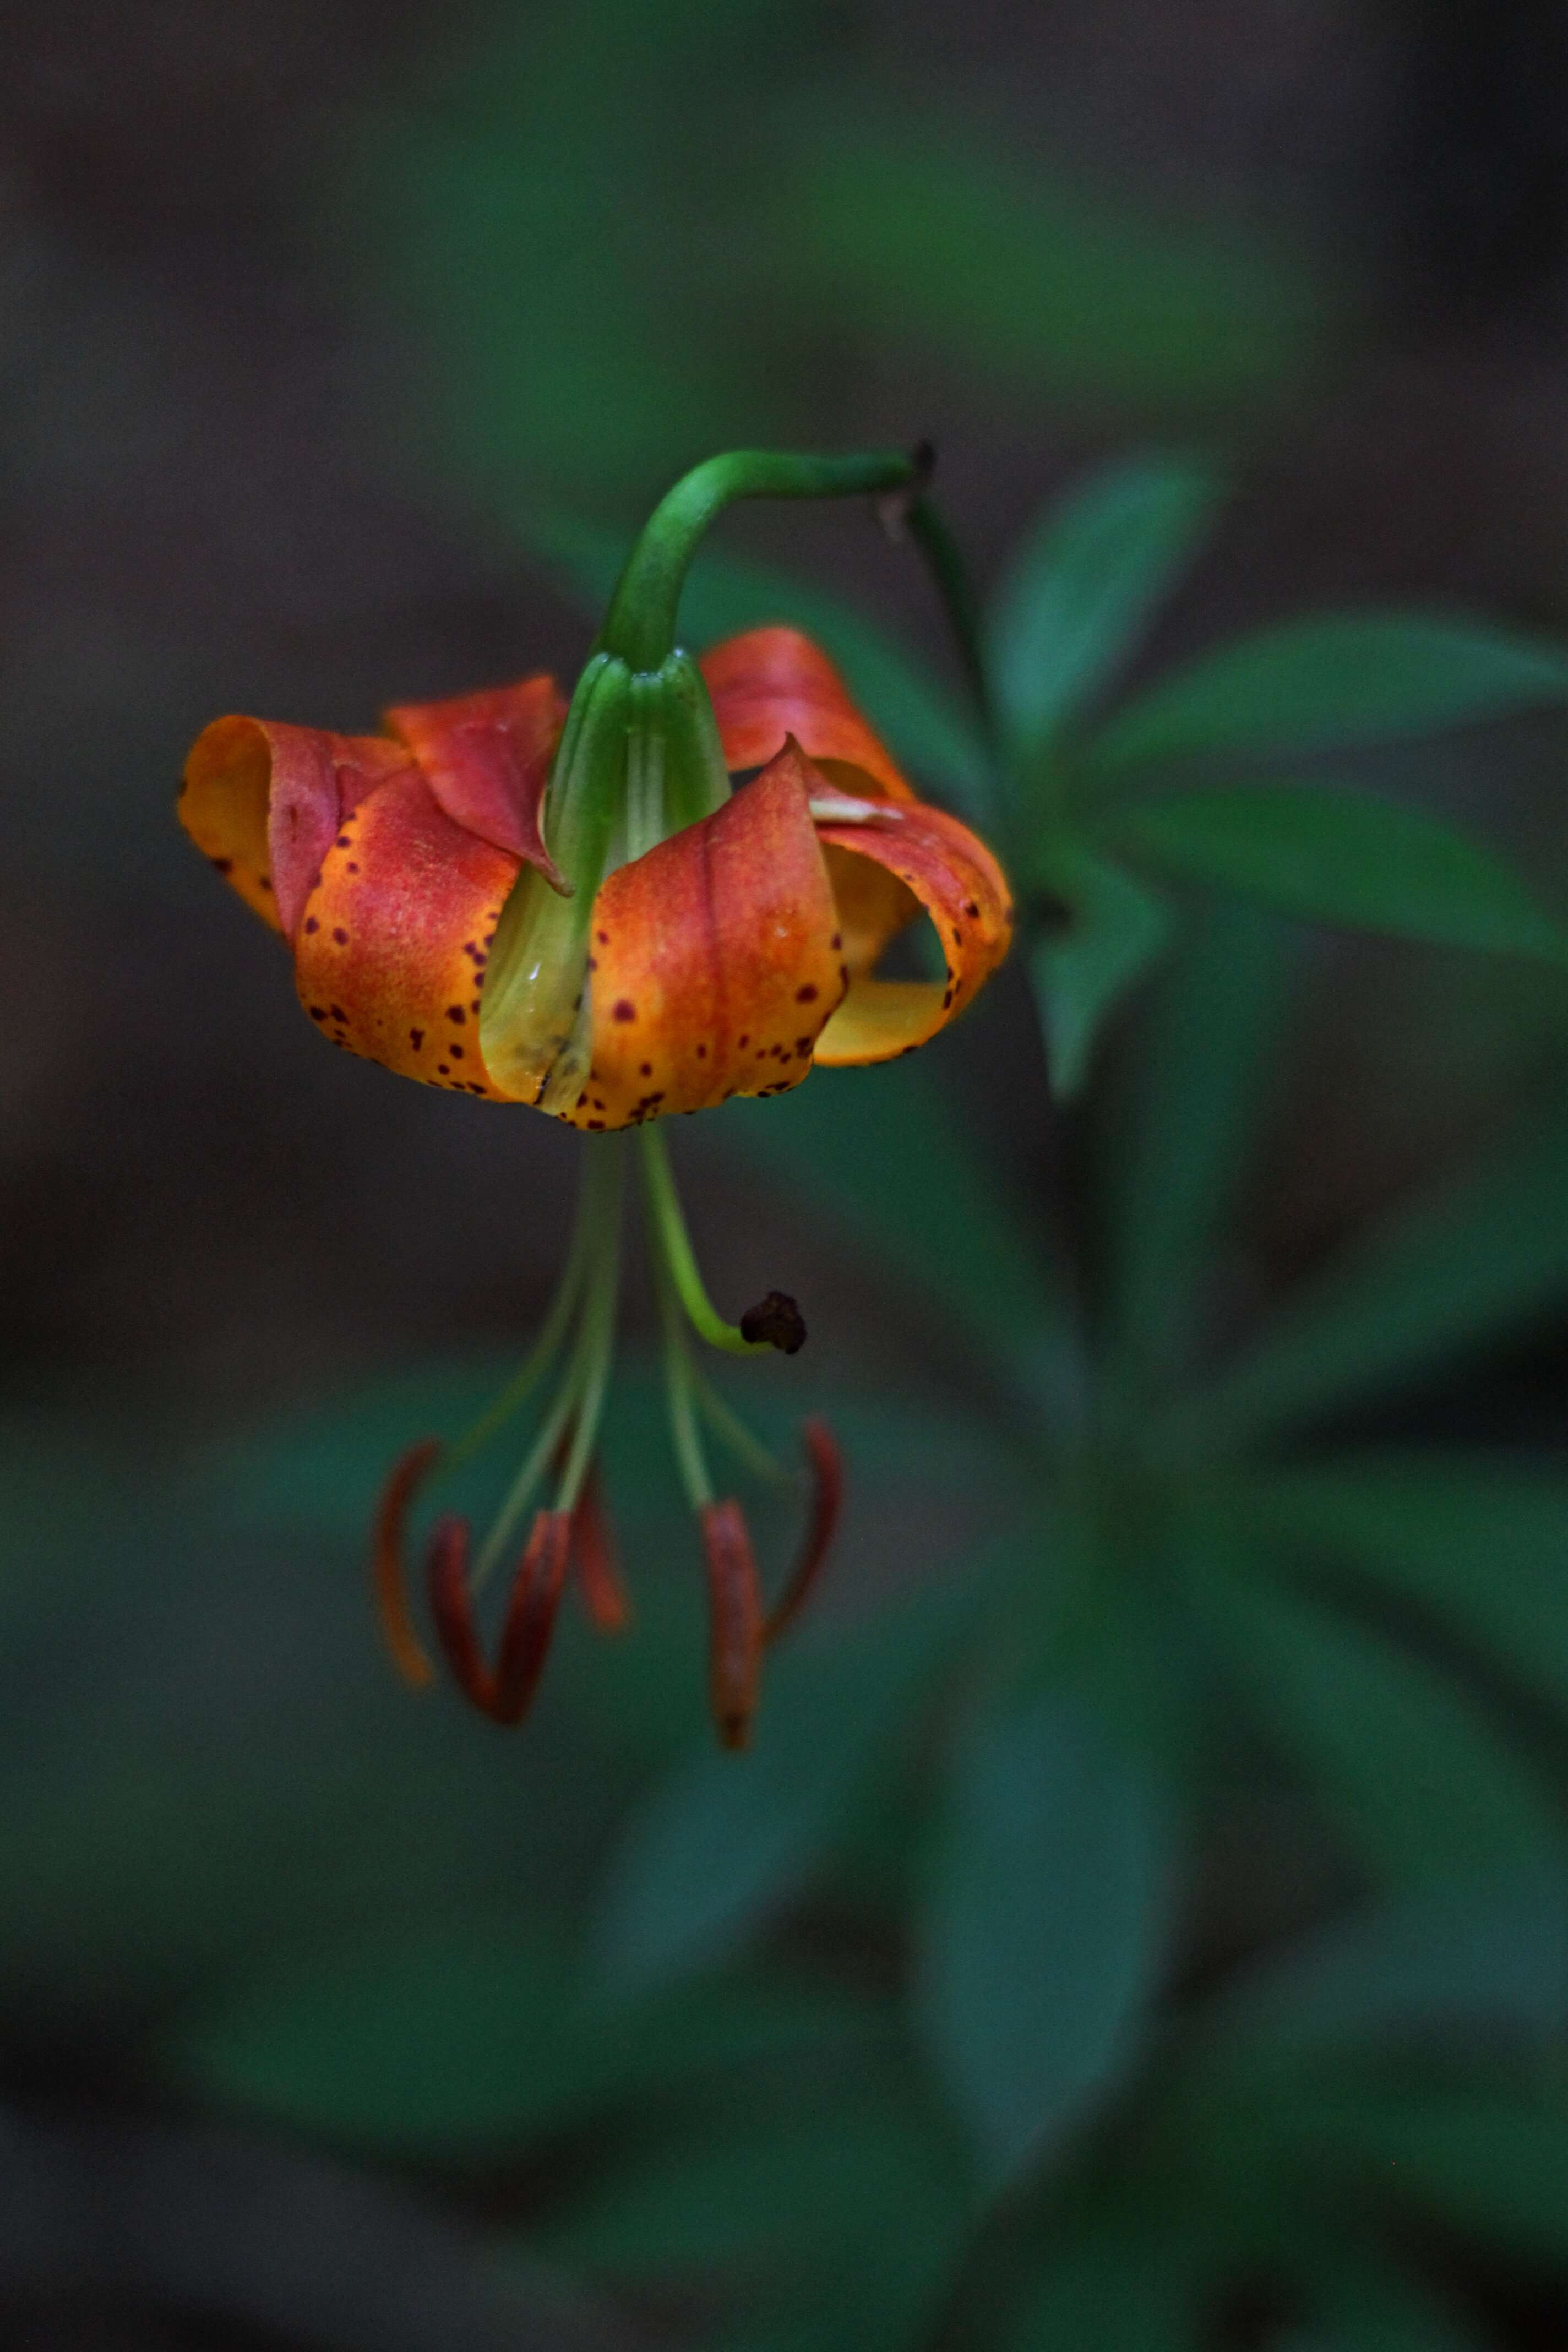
(604, 1595)
(530, 1615)
(734, 1621)
(775, 1321)
(826, 1501)
(452, 1607)
(388, 1574)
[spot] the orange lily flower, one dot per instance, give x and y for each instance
(588, 908)
(726, 959)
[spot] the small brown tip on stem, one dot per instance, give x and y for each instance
(893, 506)
(530, 1615)
(594, 1546)
(388, 1574)
(452, 1607)
(775, 1321)
(826, 1466)
(734, 1621)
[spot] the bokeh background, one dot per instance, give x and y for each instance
(332, 336)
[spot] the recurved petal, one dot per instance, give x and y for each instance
(715, 959)
(487, 757)
(391, 954)
(962, 890)
(263, 800)
(773, 683)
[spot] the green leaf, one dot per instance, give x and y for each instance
(1116, 931)
(835, 2222)
(1488, 1251)
(730, 1840)
(923, 721)
(1175, 1137)
(1494, 2166)
(1479, 1955)
(1115, 2285)
(1340, 857)
(1087, 581)
(1364, 2304)
(1475, 1542)
(1078, 293)
(1332, 679)
(1421, 1784)
(1041, 1941)
(470, 2038)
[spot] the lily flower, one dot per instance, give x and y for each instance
(674, 889)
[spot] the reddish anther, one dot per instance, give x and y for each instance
(452, 1607)
(734, 1621)
(827, 1502)
(530, 1615)
(387, 1570)
(599, 1579)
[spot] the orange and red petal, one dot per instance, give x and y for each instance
(715, 959)
(769, 684)
(957, 881)
(392, 951)
(486, 757)
(262, 801)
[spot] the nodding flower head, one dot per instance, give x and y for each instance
(672, 888)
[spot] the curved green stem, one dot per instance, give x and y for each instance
(679, 1390)
(598, 1347)
(672, 1249)
(927, 528)
(640, 622)
(540, 1356)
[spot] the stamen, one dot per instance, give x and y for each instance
(671, 1248)
(732, 1432)
(734, 1621)
(530, 1615)
(452, 1607)
(775, 1321)
(387, 1570)
(605, 1594)
(827, 1500)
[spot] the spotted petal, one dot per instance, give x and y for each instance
(264, 801)
(392, 951)
(769, 684)
(715, 959)
(943, 867)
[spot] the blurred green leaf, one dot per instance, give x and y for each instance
(1041, 279)
(1421, 1784)
(1178, 1129)
(1340, 857)
(922, 720)
(1086, 582)
(1488, 1250)
(1365, 2305)
(725, 1843)
(1479, 1955)
(457, 2041)
(1115, 930)
(835, 2223)
(1114, 2283)
(1041, 1940)
(1331, 679)
(1492, 2164)
(1476, 1542)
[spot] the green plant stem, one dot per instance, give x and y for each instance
(732, 1431)
(926, 527)
(540, 1356)
(679, 1389)
(640, 624)
(671, 1247)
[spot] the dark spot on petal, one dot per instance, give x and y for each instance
(622, 1009)
(603, 939)
(346, 841)
(972, 910)
(417, 1038)
(264, 881)
(354, 866)
(837, 941)
(807, 993)
(592, 963)
(445, 1069)
(317, 1012)
(802, 1046)
(957, 937)
(224, 865)
(311, 924)
(646, 1069)
(456, 1012)
(596, 1125)
(341, 937)
(702, 1053)
(338, 1013)
(744, 1038)
(456, 1052)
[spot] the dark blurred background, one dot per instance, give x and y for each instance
(315, 319)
